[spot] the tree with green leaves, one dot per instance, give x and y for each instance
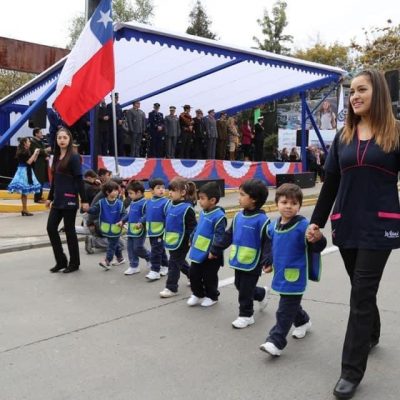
(12, 80)
(334, 54)
(381, 49)
(123, 11)
(272, 28)
(199, 22)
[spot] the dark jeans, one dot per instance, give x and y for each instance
(136, 138)
(55, 217)
(204, 279)
(246, 284)
(157, 144)
(113, 248)
(158, 255)
(365, 269)
(258, 150)
(186, 144)
(289, 312)
(177, 264)
(136, 249)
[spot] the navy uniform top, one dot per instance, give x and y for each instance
(362, 181)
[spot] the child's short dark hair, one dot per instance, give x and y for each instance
(290, 191)
(109, 186)
(90, 174)
(136, 186)
(210, 189)
(257, 190)
(104, 171)
(156, 182)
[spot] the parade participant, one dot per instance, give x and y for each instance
(156, 131)
(40, 166)
(179, 225)
(156, 212)
(291, 264)
(24, 180)
(361, 180)
(211, 227)
(111, 212)
(186, 124)
(250, 251)
(172, 132)
(136, 119)
(136, 227)
(63, 201)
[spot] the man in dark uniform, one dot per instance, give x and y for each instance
(156, 131)
(259, 136)
(102, 119)
(120, 133)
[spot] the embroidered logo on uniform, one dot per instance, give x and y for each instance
(391, 234)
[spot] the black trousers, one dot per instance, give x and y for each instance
(289, 312)
(186, 144)
(177, 264)
(365, 269)
(204, 278)
(246, 284)
(55, 217)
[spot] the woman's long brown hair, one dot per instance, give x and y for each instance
(62, 165)
(385, 128)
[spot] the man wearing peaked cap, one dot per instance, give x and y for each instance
(156, 130)
(186, 107)
(172, 132)
(186, 123)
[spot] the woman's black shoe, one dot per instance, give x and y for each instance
(70, 268)
(344, 389)
(26, 214)
(57, 268)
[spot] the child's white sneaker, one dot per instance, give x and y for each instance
(300, 331)
(264, 302)
(165, 293)
(271, 349)
(194, 300)
(132, 271)
(118, 261)
(163, 271)
(153, 276)
(207, 302)
(243, 322)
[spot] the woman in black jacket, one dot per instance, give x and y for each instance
(63, 201)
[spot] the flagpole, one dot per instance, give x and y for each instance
(114, 125)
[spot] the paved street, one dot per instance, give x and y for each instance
(101, 335)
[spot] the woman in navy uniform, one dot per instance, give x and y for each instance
(361, 179)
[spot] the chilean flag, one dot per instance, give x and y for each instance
(88, 74)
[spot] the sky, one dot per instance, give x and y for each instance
(234, 21)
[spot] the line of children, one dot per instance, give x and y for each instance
(210, 228)
(250, 250)
(179, 225)
(136, 229)
(110, 211)
(295, 261)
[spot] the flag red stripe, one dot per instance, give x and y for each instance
(89, 85)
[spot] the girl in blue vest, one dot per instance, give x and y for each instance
(136, 228)
(111, 211)
(156, 213)
(179, 225)
(211, 227)
(292, 256)
(250, 249)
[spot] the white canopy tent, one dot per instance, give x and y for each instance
(171, 69)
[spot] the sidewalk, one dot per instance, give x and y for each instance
(22, 233)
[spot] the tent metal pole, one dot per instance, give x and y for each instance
(303, 131)
(312, 120)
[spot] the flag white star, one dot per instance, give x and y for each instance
(105, 18)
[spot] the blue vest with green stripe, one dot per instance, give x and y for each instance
(156, 210)
(290, 258)
(247, 232)
(110, 215)
(136, 212)
(204, 234)
(175, 225)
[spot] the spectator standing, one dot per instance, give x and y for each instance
(247, 136)
(285, 155)
(200, 133)
(103, 124)
(156, 131)
(211, 129)
(259, 136)
(294, 155)
(172, 132)
(233, 138)
(223, 137)
(40, 166)
(136, 119)
(186, 123)
(120, 133)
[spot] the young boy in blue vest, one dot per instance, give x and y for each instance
(295, 260)
(250, 250)
(211, 227)
(136, 227)
(110, 210)
(156, 211)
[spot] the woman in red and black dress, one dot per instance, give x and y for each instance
(361, 180)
